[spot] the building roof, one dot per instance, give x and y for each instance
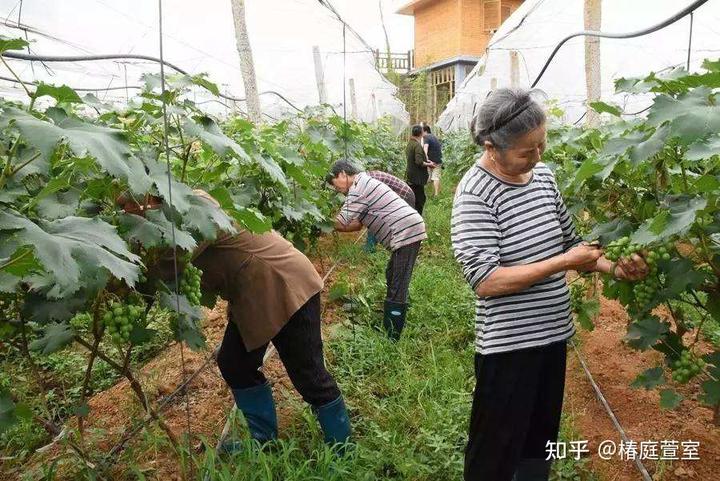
(466, 59)
(408, 7)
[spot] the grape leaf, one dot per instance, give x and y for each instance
(12, 44)
(272, 168)
(650, 147)
(8, 416)
(610, 231)
(107, 146)
(155, 230)
(681, 214)
(61, 94)
(681, 276)
(650, 378)
(58, 205)
(55, 337)
(71, 249)
(587, 312)
(202, 81)
(704, 149)
(693, 115)
(711, 393)
(643, 334)
(602, 107)
(204, 217)
(207, 130)
(669, 399)
(188, 316)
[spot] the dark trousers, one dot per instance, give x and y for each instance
(399, 272)
(516, 410)
(419, 191)
(300, 347)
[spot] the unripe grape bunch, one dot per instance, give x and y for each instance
(119, 320)
(577, 296)
(687, 367)
(190, 284)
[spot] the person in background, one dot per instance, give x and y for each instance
(515, 240)
(273, 293)
(416, 173)
(433, 150)
(394, 223)
(400, 188)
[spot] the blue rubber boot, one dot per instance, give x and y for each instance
(394, 319)
(258, 407)
(370, 243)
(334, 421)
(532, 470)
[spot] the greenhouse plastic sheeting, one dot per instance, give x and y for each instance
(533, 30)
(199, 37)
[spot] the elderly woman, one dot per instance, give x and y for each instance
(515, 240)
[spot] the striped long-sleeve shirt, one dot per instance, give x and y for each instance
(388, 217)
(496, 223)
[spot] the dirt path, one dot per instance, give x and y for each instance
(614, 367)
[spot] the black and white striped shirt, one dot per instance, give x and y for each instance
(496, 223)
(388, 217)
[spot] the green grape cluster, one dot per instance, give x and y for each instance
(656, 254)
(687, 367)
(577, 296)
(621, 248)
(190, 284)
(119, 320)
(81, 320)
(644, 290)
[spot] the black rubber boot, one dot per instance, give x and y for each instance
(394, 319)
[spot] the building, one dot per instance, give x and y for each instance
(450, 38)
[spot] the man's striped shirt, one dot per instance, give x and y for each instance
(398, 186)
(388, 217)
(496, 223)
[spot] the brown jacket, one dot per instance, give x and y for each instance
(262, 276)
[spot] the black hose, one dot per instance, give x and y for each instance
(91, 58)
(591, 33)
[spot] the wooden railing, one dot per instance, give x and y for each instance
(401, 62)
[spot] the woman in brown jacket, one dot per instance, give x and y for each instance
(273, 294)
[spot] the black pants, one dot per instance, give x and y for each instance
(419, 191)
(399, 272)
(300, 347)
(516, 410)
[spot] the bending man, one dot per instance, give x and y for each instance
(392, 221)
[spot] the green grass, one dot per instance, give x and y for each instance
(409, 402)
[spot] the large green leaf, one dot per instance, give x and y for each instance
(610, 231)
(8, 418)
(680, 215)
(12, 44)
(209, 132)
(650, 147)
(248, 217)
(681, 276)
(72, 249)
(54, 338)
(107, 146)
(204, 217)
(272, 168)
(692, 116)
(62, 94)
(155, 230)
(670, 399)
(711, 393)
(704, 149)
(650, 378)
(188, 317)
(58, 205)
(643, 334)
(602, 107)
(587, 312)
